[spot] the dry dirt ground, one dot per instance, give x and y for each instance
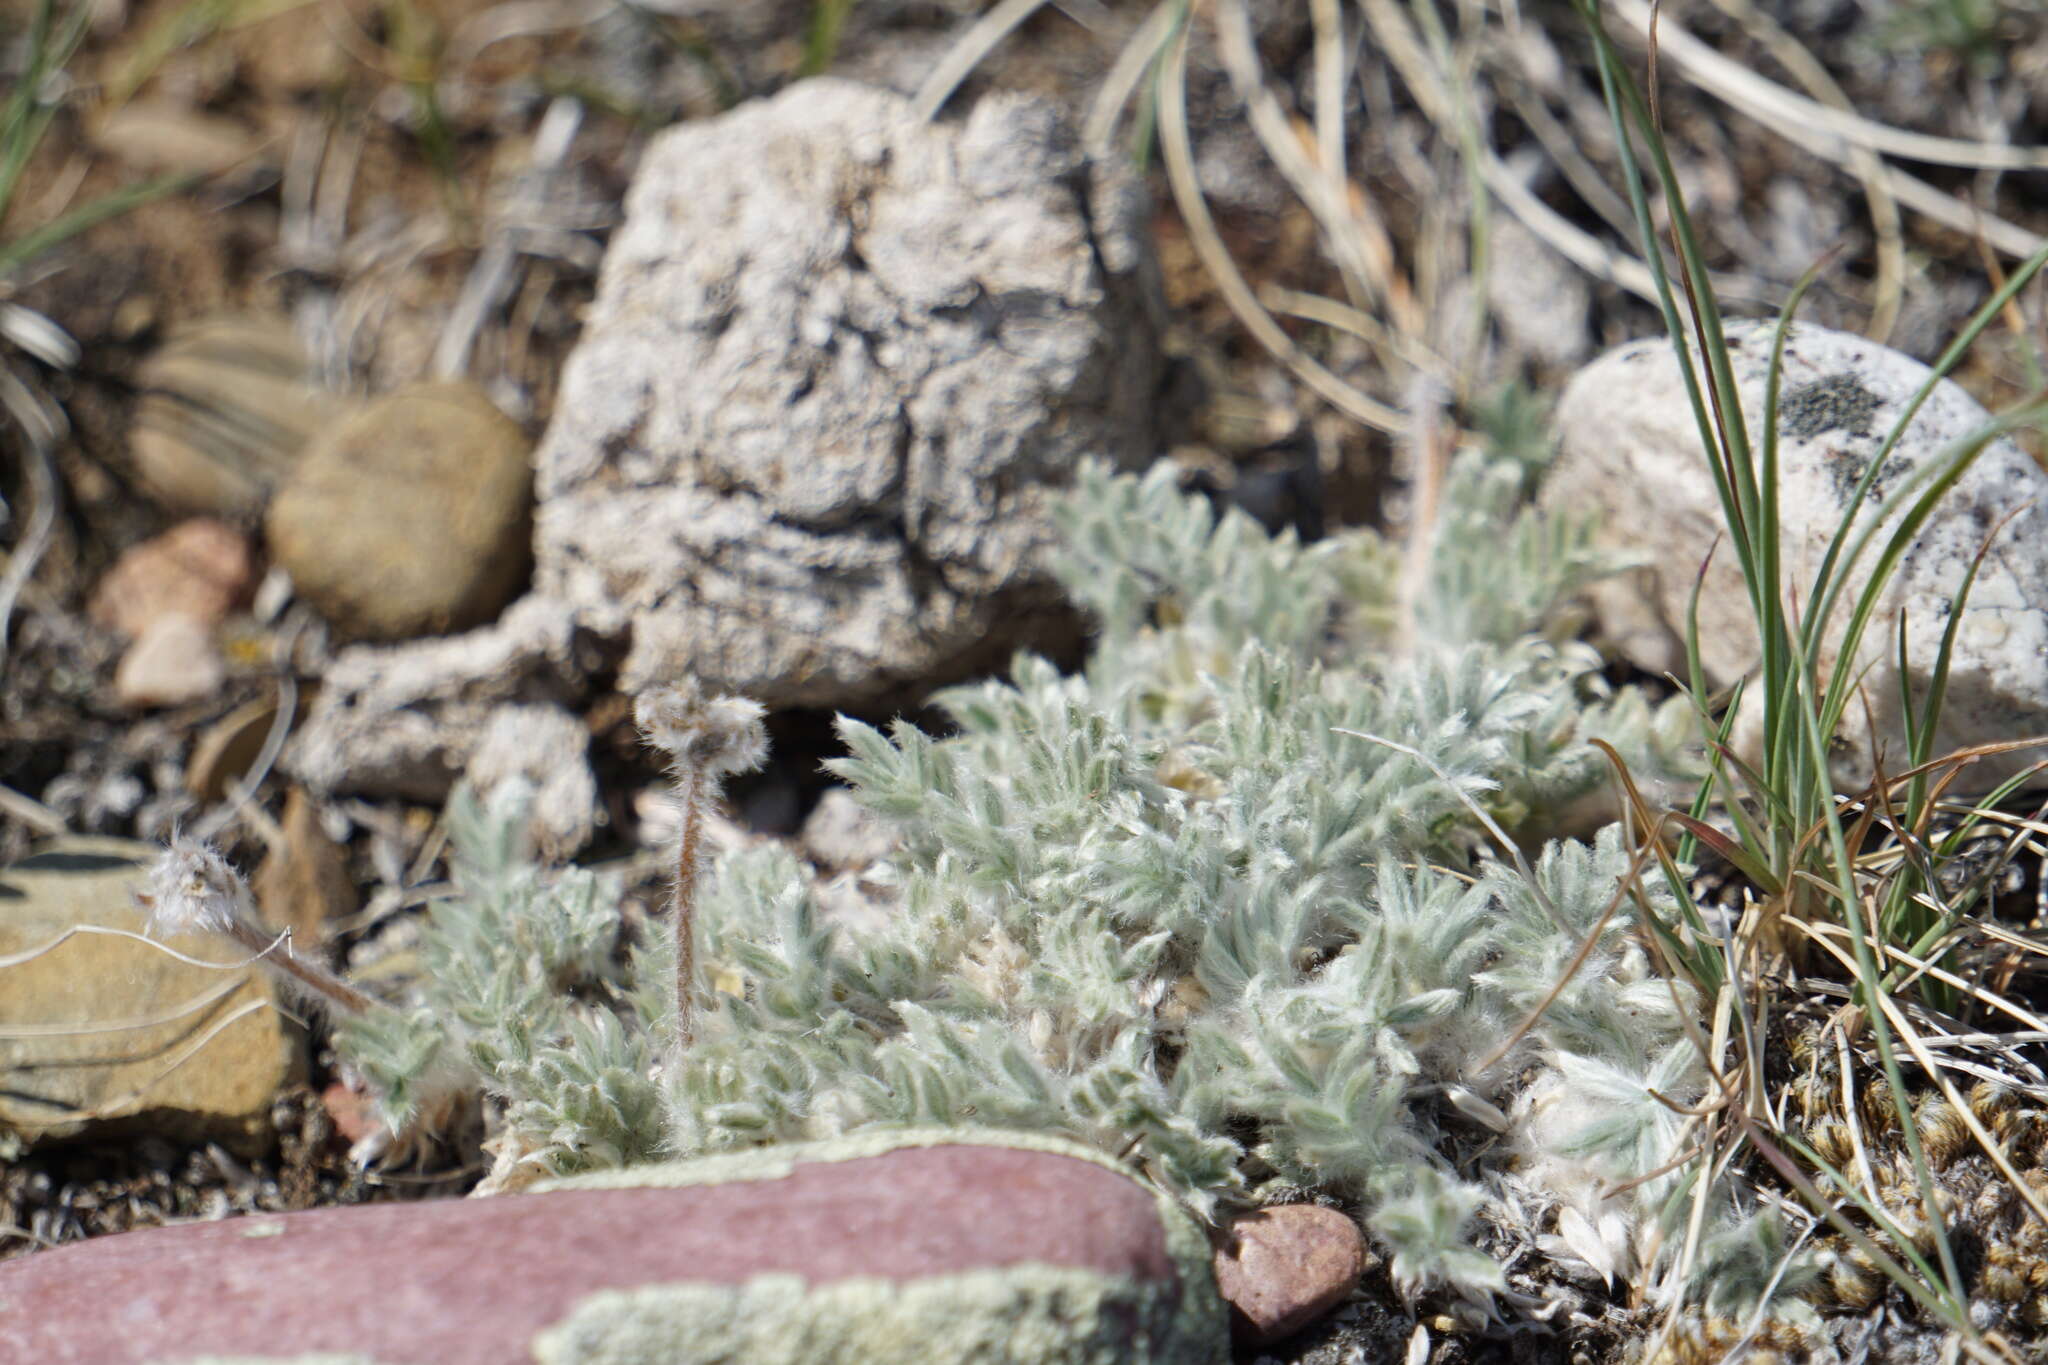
(348, 164)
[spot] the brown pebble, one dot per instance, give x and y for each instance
(410, 517)
(227, 404)
(303, 885)
(1285, 1267)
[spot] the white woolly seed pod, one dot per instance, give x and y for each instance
(716, 736)
(191, 888)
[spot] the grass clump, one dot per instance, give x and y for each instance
(1863, 877)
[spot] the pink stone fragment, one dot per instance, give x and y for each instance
(200, 568)
(1285, 1267)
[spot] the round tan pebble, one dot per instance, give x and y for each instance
(409, 518)
(1284, 1267)
(200, 568)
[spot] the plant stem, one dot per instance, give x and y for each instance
(683, 897)
(314, 979)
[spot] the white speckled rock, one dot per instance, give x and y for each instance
(1630, 448)
(839, 361)
(405, 720)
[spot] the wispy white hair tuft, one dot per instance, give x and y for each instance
(191, 888)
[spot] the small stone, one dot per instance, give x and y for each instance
(842, 834)
(1287, 1266)
(166, 135)
(151, 1044)
(304, 885)
(173, 662)
(1630, 452)
(352, 1110)
(227, 406)
(200, 568)
(933, 1245)
(548, 747)
(410, 517)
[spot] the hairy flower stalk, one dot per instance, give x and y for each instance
(192, 888)
(706, 740)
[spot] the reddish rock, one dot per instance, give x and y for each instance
(839, 1231)
(200, 568)
(1285, 1267)
(351, 1111)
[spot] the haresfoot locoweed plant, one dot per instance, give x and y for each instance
(1179, 906)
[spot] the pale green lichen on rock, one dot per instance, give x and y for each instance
(1016, 1315)
(1019, 1313)
(1169, 908)
(1179, 1320)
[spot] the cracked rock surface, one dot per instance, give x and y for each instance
(405, 720)
(804, 447)
(840, 361)
(1629, 449)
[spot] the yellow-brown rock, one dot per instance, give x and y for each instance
(102, 1033)
(409, 518)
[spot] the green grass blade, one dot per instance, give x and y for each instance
(27, 248)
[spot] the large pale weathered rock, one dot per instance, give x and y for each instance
(404, 720)
(839, 361)
(899, 1247)
(1631, 451)
(410, 517)
(1285, 1267)
(103, 1033)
